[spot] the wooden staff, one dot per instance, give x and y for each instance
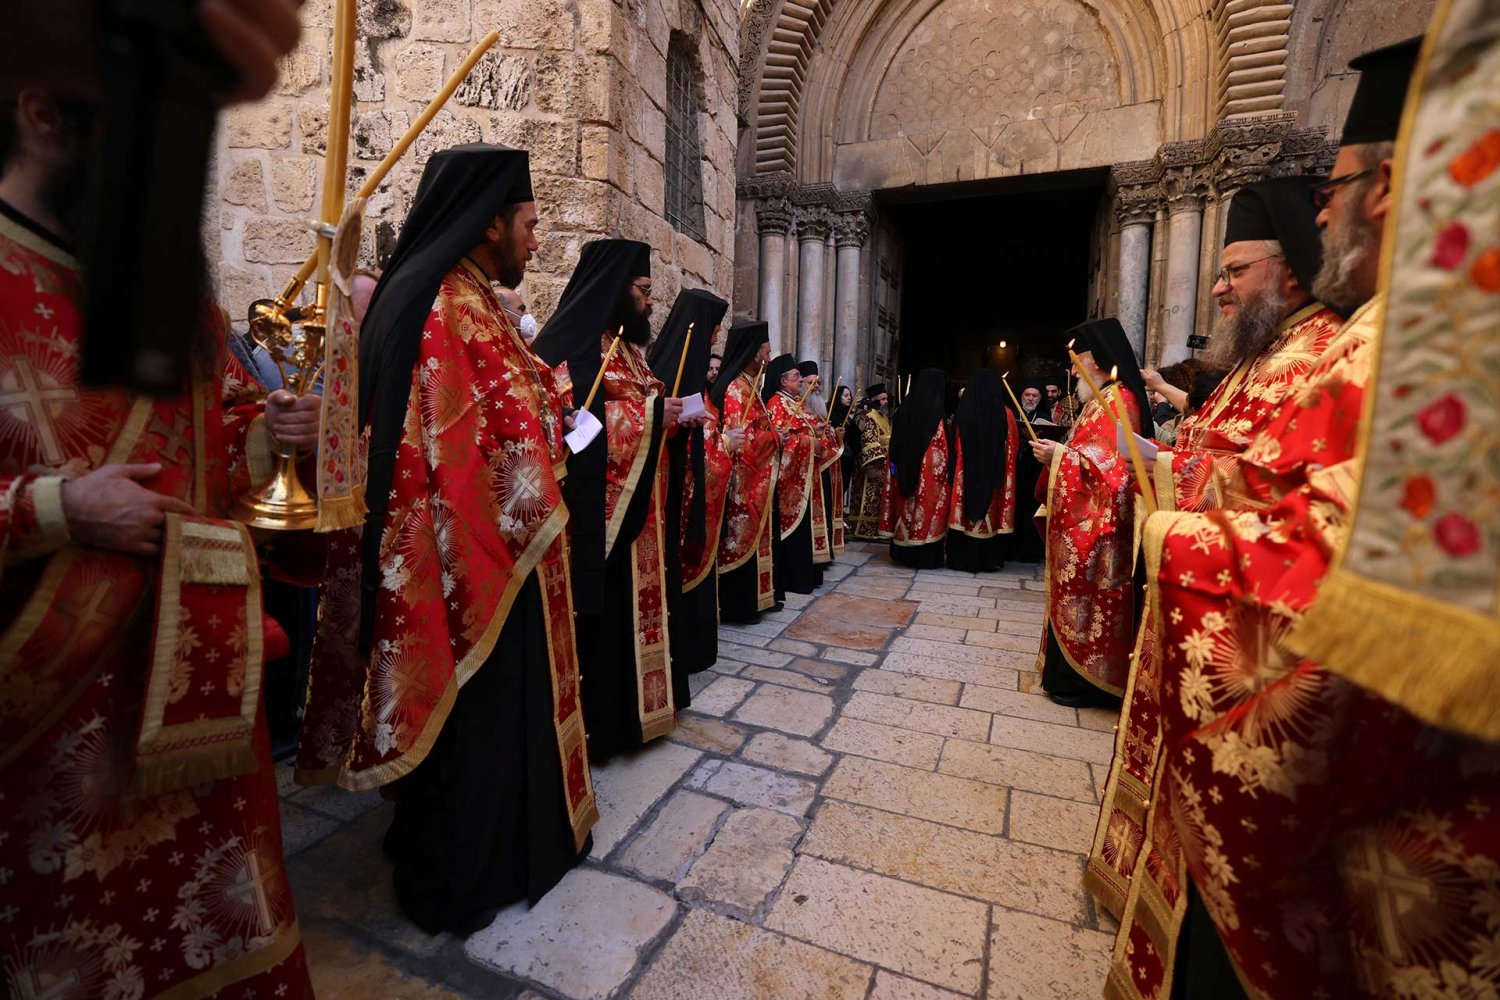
(833, 401)
(1029, 429)
(686, 343)
(1092, 386)
(588, 403)
(1147, 493)
(378, 174)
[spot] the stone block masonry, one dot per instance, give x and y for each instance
(579, 83)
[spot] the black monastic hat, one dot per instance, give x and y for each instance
(808, 368)
(740, 348)
(1379, 99)
(779, 366)
(1105, 339)
(1280, 209)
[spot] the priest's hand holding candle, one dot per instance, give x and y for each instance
(1122, 425)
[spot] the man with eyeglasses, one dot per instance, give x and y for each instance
(1312, 831)
(1270, 332)
(515, 308)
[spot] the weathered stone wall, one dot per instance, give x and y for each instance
(579, 83)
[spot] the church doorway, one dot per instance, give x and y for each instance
(995, 272)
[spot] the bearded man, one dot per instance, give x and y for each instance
(797, 566)
(445, 661)
(615, 492)
(867, 492)
(1307, 836)
(1271, 332)
(747, 547)
(1090, 531)
(140, 795)
(828, 481)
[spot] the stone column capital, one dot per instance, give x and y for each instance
(812, 225)
(851, 229)
(1242, 150)
(1186, 187)
(774, 215)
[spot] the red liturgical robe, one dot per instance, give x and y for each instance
(475, 509)
(699, 559)
(1000, 517)
(1091, 548)
(1196, 473)
(795, 481)
(921, 518)
(142, 846)
(867, 492)
(752, 489)
(630, 407)
(827, 450)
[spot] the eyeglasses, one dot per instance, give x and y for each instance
(1323, 194)
(643, 288)
(1233, 272)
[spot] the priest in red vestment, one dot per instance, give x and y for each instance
(828, 450)
(1271, 332)
(985, 446)
(1091, 589)
(615, 491)
(141, 851)
(1311, 832)
(445, 662)
(797, 568)
(916, 509)
(698, 463)
(747, 544)
(872, 427)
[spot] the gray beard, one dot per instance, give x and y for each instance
(1347, 244)
(816, 403)
(1248, 333)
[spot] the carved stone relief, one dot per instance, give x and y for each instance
(976, 63)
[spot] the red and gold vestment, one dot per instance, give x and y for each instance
(1091, 547)
(798, 461)
(921, 518)
(475, 508)
(827, 450)
(142, 844)
(700, 558)
(1197, 472)
(1000, 518)
(867, 492)
(752, 489)
(631, 393)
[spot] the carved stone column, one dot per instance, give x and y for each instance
(1185, 181)
(850, 232)
(812, 231)
(773, 219)
(1137, 196)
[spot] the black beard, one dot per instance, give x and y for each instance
(637, 327)
(64, 193)
(513, 267)
(1347, 244)
(1248, 332)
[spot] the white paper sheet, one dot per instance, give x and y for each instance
(586, 427)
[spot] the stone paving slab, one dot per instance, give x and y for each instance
(787, 754)
(935, 690)
(582, 940)
(870, 739)
(757, 786)
(924, 717)
(1022, 876)
(851, 621)
(1032, 958)
(787, 678)
(925, 934)
(715, 957)
(1061, 741)
(704, 733)
(628, 786)
(1025, 705)
(988, 674)
(745, 863)
(1034, 772)
(1052, 822)
(722, 696)
(889, 986)
(801, 713)
(941, 798)
(669, 843)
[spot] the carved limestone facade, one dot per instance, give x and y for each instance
(1178, 103)
(582, 84)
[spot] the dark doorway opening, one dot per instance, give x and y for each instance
(1006, 261)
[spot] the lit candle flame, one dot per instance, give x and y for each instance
(1114, 373)
(1071, 343)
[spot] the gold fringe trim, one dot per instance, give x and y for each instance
(1436, 661)
(337, 513)
(186, 767)
(1164, 479)
(260, 458)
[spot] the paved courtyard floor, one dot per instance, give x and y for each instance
(869, 798)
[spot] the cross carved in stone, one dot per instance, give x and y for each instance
(1395, 890)
(23, 393)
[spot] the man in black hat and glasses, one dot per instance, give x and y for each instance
(1270, 332)
(445, 660)
(603, 322)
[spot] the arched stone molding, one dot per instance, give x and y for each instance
(1254, 36)
(791, 39)
(863, 42)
